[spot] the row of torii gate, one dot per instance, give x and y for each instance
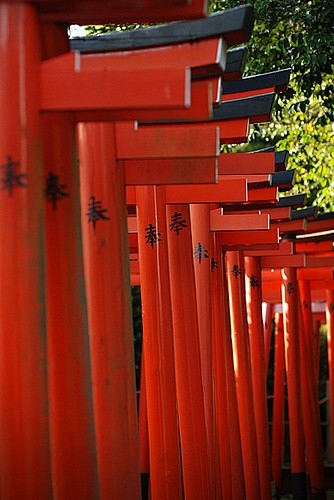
(151, 202)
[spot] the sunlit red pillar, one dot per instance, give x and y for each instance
(24, 434)
(201, 243)
(292, 363)
(74, 470)
(243, 373)
(278, 402)
(255, 329)
(227, 420)
(330, 347)
(189, 387)
(106, 264)
(165, 466)
(267, 330)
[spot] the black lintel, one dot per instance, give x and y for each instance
(278, 79)
(325, 215)
(235, 63)
(234, 66)
(281, 160)
(304, 213)
(284, 179)
(270, 149)
(296, 200)
(241, 108)
(234, 25)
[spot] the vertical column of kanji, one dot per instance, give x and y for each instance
(24, 439)
(243, 375)
(165, 466)
(330, 347)
(74, 468)
(309, 393)
(200, 235)
(106, 264)
(255, 329)
(278, 405)
(189, 388)
(292, 364)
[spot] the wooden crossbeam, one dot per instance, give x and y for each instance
(205, 58)
(246, 163)
(165, 141)
(128, 11)
(234, 25)
(244, 222)
(281, 261)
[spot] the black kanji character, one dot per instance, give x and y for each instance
(290, 288)
(152, 235)
(200, 252)
(178, 223)
(53, 190)
(236, 271)
(95, 211)
(11, 178)
(254, 281)
(214, 264)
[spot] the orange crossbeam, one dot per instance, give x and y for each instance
(292, 226)
(166, 141)
(314, 246)
(202, 57)
(139, 172)
(235, 238)
(263, 194)
(246, 163)
(219, 222)
(278, 213)
(69, 90)
(286, 247)
(230, 191)
(279, 261)
(306, 273)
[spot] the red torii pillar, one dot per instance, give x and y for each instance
(111, 346)
(24, 429)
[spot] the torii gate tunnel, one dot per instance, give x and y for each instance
(112, 175)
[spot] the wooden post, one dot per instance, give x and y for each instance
(278, 406)
(292, 364)
(311, 413)
(165, 466)
(106, 263)
(201, 243)
(255, 329)
(228, 431)
(24, 438)
(267, 329)
(330, 346)
(243, 375)
(74, 468)
(187, 355)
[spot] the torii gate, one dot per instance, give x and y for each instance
(30, 87)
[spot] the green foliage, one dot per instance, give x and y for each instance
(299, 35)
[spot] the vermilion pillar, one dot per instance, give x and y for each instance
(106, 263)
(187, 354)
(24, 439)
(278, 406)
(267, 329)
(72, 436)
(292, 363)
(310, 399)
(243, 374)
(255, 329)
(330, 346)
(201, 243)
(227, 420)
(165, 466)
